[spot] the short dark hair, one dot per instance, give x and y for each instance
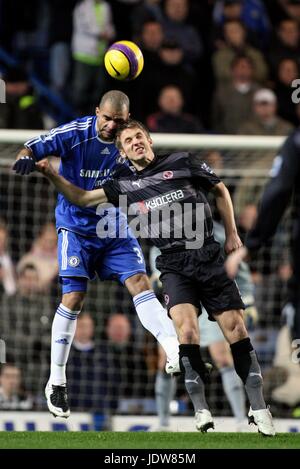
(131, 124)
(239, 57)
(117, 98)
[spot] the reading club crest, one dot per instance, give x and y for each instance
(168, 174)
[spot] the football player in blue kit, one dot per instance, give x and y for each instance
(89, 158)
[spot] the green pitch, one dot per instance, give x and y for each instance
(145, 440)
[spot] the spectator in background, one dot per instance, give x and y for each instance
(214, 159)
(7, 274)
(287, 72)
(151, 38)
(12, 393)
(171, 118)
(166, 68)
(124, 364)
(100, 373)
(93, 29)
(124, 14)
(286, 44)
(232, 103)
(172, 71)
(235, 43)
(292, 9)
(21, 109)
(146, 11)
(252, 13)
(247, 219)
(60, 34)
(86, 386)
(177, 29)
(43, 256)
(144, 92)
(265, 120)
(25, 327)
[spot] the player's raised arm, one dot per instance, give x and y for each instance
(73, 193)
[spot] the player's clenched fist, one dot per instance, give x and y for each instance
(232, 243)
(44, 167)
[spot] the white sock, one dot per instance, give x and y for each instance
(155, 319)
(63, 330)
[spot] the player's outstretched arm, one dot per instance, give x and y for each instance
(74, 194)
(225, 207)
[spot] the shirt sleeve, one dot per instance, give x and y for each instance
(57, 142)
(202, 173)
(112, 191)
(278, 192)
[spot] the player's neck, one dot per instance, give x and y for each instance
(144, 162)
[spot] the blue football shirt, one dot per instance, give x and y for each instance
(86, 161)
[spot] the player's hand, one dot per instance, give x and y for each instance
(45, 167)
(24, 165)
(233, 261)
(232, 243)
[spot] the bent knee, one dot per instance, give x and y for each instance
(240, 330)
(138, 283)
(188, 335)
(237, 331)
(73, 301)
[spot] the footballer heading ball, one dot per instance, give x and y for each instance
(124, 60)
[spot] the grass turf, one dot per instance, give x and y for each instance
(146, 440)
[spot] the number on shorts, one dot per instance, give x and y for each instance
(139, 254)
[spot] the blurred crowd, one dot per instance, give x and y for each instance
(204, 61)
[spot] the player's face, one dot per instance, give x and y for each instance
(108, 120)
(136, 145)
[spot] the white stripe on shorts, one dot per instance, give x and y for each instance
(64, 249)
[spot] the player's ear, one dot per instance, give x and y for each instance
(97, 111)
(122, 153)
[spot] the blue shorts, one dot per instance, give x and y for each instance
(80, 258)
